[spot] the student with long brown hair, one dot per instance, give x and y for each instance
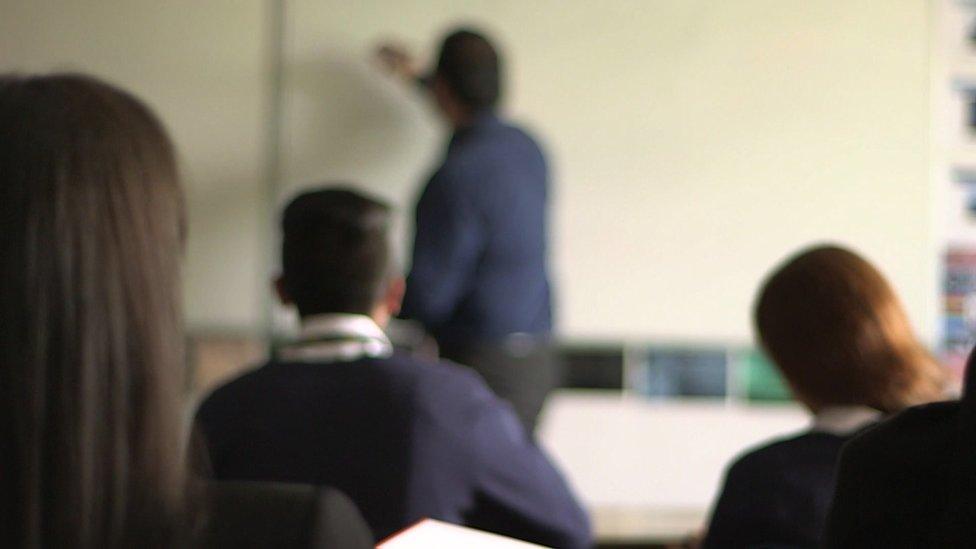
(835, 329)
(91, 218)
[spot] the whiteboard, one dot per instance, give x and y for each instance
(694, 143)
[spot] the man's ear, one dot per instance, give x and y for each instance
(394, 295)
(280, 291)
(446, 99)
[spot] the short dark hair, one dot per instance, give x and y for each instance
(470, 66)
(335, 251)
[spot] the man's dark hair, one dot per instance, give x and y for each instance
(469, 65)
(335, 251)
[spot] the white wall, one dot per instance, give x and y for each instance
(694, 143)
(203, 67)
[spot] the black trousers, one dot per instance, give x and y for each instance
(522, 372)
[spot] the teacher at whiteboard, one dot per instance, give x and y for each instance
(479, 281)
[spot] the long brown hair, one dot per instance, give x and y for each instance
(90, 324)
(835, 328)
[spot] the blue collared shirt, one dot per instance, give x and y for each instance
(479, 260)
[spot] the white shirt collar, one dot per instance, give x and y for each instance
(337, 337)
(844, 420)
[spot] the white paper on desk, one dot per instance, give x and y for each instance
(434, 534)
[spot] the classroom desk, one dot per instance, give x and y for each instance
(632, 528)
(649, 470)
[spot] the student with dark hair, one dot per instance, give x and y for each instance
(405, 438)
(910, 481)
(834, 328)
(91, 341)
(479, 280)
